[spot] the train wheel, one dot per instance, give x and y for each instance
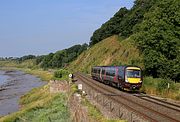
(106, 82)
(103, 80)
(120, 86)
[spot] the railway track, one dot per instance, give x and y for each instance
(149, 108)
(169, 105)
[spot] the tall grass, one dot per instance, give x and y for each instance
(44, 75)
(95, 114)
(159, 86)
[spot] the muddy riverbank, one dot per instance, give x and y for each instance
(13, 85)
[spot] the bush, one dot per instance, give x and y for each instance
(62, 73)
(162, 85)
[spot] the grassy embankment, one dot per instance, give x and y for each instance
(116, 51)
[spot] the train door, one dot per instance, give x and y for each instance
(112, 74)
(116, 75)
(100, 74)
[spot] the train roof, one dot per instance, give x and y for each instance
(116, 66)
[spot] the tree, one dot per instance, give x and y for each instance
(158, 37)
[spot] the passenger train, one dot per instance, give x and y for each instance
(124, 77)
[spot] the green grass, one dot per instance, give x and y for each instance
(61, 74)
(41, 106)
(54, 110)
(14, 64)
(95, 114)
(44, 75)
(159, 87)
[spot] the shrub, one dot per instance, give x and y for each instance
(162, 85)
(62, 73)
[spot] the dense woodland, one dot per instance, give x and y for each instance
(155, 27)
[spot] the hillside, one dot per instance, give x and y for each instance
(110, 51)
(154, 27)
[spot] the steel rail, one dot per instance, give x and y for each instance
(159, 102)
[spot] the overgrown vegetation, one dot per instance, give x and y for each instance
(61, 74)
(159, 86)
(96, 115)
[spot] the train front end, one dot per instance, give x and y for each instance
(133, 78)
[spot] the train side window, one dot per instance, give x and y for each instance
(103, 71)
(121, 73)
(108, 72)
(95, 70)
(113, 73)
(98, 71)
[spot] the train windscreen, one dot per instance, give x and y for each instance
(133, 73)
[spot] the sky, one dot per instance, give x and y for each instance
(40, 27)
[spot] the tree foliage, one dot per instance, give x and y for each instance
(122, 22)
(60, 58)
(158, 36)
(26, 57)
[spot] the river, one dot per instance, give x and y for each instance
(3, 77)
(14, 84)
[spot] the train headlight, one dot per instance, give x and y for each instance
(140, 81)
(126, 81)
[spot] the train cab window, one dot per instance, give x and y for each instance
(133, 73)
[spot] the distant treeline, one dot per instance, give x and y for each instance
(60, 58)
(53, 60)
(155, 27)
